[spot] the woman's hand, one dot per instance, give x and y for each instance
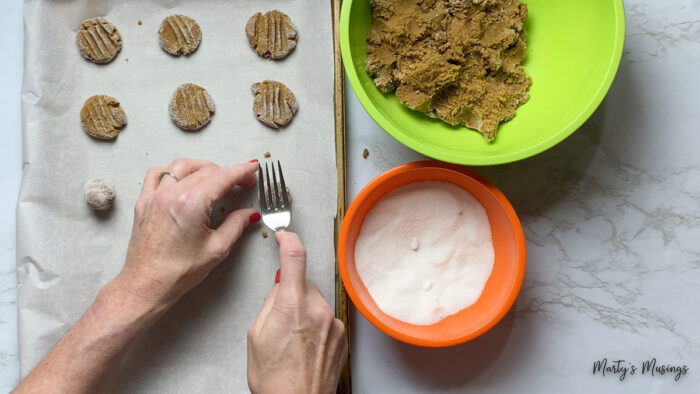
(295, 344)
(172, 246)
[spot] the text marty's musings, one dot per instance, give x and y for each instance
(622, 369)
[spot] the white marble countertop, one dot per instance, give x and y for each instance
(611, 216)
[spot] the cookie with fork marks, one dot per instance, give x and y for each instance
(191, 107)
(179, 35)
(98, 40)
(274, 104)
(102, 117)
(272, 34)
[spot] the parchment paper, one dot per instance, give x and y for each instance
(65, 252)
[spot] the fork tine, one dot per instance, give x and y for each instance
(272, 203)
(285, 197)
(261, 190)
(276, 188)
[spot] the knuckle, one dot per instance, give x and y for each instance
(338, 325)
(161, 199)
(218, 250)
(311, 287)
(209, 170)
(250, 335)
(177, 163)
(185, 201)
(322, 314)
(139, 207)
(295, 253)
(153, 171)
(287, 305)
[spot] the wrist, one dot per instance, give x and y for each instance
(132, 298)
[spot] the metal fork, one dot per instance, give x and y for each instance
(274, 201)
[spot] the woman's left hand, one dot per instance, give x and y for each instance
(172, 246)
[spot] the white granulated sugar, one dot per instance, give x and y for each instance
(425, 252)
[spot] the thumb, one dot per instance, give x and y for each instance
(232, 227)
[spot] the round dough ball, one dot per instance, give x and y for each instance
(272, 34)
(179, 35)
(98, 40)
(191, 107)
(102, 117)
(274, 104)
(99, 194)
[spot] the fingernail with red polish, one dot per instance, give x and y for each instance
(254, 218)
(253, 161)
(277, 276)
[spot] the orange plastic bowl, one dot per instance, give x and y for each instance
(502, 287)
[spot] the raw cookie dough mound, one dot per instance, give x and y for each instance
(99, 194)
(102, 117)
(274, 104)
(271, 35)
(179, 35)
(455, 60)
(98, 40)
(191, 107)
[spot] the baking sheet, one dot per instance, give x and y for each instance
(65, 252)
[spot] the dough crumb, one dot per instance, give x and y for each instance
(365, 153)
(140, 23)
(264, 234)
(267, 154)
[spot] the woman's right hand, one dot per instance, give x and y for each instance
(295, 345)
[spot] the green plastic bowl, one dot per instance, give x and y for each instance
(573, 52)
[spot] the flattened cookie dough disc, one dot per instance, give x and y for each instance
(98, 40)
(271, 35)
(102, 117)
(274, 104)
(179, 35)
(191, 107)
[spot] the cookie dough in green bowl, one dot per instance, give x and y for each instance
(573, 52)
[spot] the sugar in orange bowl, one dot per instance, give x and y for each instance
(502, 286)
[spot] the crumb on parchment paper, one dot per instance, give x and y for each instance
(267, 154)
(264, 234)
(140, 23)
(365, 153)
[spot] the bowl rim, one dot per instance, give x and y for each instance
(516, 226)
(476, 160)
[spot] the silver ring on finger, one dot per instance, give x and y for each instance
(168, 173)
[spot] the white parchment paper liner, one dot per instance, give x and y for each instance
(65, 252)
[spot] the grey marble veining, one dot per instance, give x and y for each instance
(612, 221)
